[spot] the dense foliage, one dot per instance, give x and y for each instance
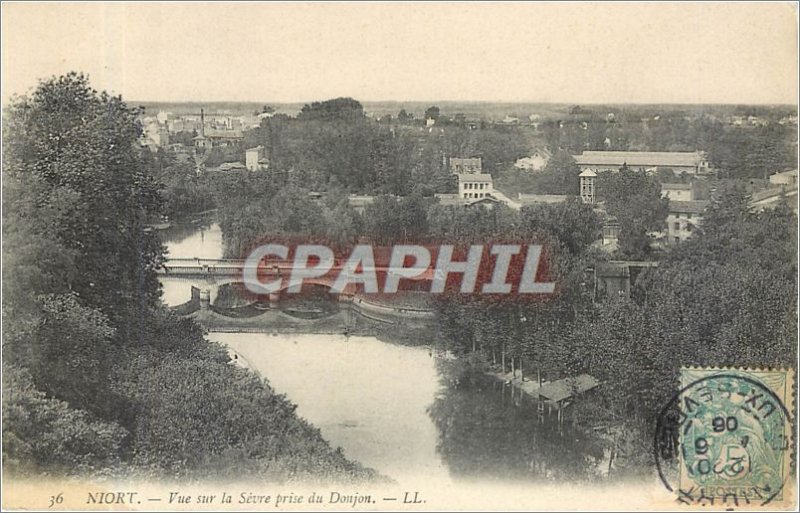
(725, 297)
(98, 375)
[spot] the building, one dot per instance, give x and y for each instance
(610, 237)
(359, 203)
(456, 200)
(692, 163)
(465, 165)
(677, 191)
(231, 166)
(788, 178)
(224, 137)
(587, 178)
(474, 185)
(771, 198)
(254, 159)
(208, 139)
(683, 218)
(557, 395)
(537, 161)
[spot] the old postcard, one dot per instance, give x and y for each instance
(399, 256)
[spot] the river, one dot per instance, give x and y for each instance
(386, 405)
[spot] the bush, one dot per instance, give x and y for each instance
(43, 433)
(202, 418)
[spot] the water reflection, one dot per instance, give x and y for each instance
(366, 396)
(201, 238)
(385, 404)
(487, 431)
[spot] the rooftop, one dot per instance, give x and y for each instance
(360, 201)
(474, 177)
(688, 207)
(455, 199)
(224, 134)
(772, 192)
(565, 388)
(640, 158)
(677, 186)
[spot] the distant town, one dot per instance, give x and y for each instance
(224, 140)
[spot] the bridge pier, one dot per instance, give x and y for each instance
(205, 299)
(274, 299)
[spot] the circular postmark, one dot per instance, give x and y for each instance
(725, 437)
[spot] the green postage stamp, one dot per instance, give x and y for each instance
(735, 439)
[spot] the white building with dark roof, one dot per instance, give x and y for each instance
(475, 185)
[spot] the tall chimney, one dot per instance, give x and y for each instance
(202, 124)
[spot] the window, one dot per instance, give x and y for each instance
(688, 216)
(677, 226)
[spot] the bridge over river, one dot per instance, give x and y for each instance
(207, 275)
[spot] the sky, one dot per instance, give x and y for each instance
(511, 52)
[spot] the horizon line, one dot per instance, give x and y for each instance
(507, 102)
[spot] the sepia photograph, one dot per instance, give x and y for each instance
(399, 256)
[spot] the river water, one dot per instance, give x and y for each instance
(386, 405)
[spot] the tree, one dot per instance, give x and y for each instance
(573, 223)
(75, 150)
(42, 434)
(389, 220)
(404, 117)
(634, 198)
(432, 113)
(559, 176)
(346, 109)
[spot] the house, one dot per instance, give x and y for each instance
(359, 203)
(224, 137)
(537, 161)
(683, 218)
(474, 185)
(771, 198)
(465, 165)
(692, 163)
(784, 178)
(558, 394)
(677, 191)
(456, 200)
(587, 185)
(231, 166)
(610, 234)
(254, 159)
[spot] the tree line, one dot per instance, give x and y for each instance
(99, 377)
